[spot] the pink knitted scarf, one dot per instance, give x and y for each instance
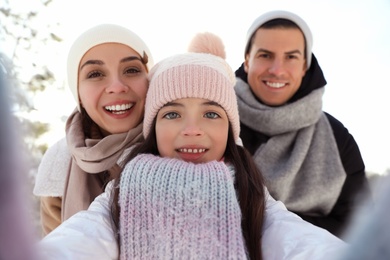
(171, 209)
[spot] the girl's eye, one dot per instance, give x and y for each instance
(94, 74)
(211, 115)
(171, 115)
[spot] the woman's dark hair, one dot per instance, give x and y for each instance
(279, 23)
(249, 185)
(87, 122)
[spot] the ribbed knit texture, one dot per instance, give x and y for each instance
(300, 161)
(171, 209)
(192, 75)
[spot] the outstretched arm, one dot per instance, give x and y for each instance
(88, 234)
(287, 236)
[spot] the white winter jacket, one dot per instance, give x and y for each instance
(89, 235)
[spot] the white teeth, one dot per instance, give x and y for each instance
(118, 108)
(185, 150)
(275, 84)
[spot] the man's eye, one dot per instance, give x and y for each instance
(264, 55)
(292, 57)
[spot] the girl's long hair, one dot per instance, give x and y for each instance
(249, 184)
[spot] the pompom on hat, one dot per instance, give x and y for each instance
(104, 33)
(207, 43)
(200, 73)
(280, 14)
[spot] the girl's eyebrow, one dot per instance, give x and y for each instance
(99, 62)
(211, 103)
(172, 104)
(206, 103)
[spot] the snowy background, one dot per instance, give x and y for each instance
(351, 39)
(351, 43)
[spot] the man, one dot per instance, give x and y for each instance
(309, 159)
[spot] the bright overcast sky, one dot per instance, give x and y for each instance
(351, 42)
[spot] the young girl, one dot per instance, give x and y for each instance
(191, 115)
(107, 74)
(189, 191)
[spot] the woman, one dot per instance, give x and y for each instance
(107, 74)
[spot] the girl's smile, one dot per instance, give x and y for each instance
(192, 154)
(192, 129)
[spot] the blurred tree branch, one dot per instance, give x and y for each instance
(25, 38)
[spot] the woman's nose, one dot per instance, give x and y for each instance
(116, 86)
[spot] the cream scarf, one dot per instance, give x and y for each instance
(94, 162)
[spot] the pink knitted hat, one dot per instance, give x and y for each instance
(193, 75)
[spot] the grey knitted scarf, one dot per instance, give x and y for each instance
(300, 161)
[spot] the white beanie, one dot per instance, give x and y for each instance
(279, 14)
(104, 33)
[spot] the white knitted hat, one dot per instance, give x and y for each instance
(104, 33)
(279, 14)
(192, 75)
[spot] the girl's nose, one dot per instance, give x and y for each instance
(192, 128)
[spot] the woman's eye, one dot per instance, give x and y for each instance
(211, 115)
(132, 70)
(94, 74)
(171, 115)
